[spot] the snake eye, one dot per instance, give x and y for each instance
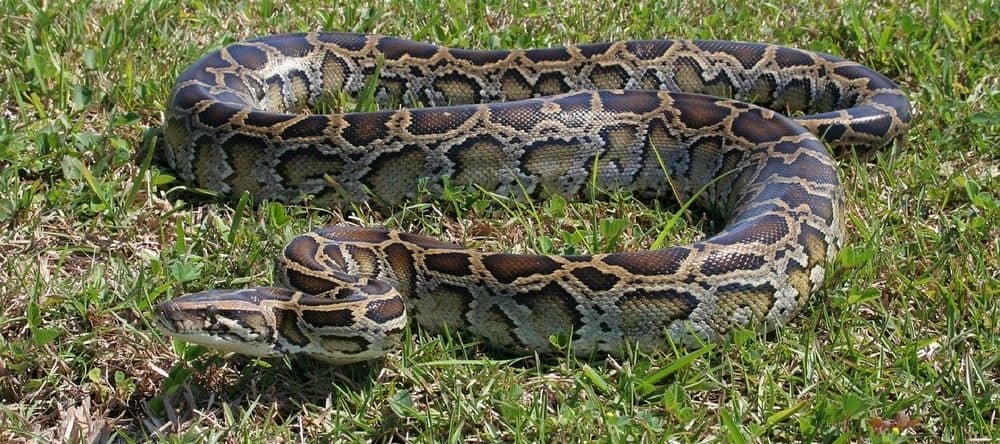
(212, 311)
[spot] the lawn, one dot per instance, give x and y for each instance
(901, 345)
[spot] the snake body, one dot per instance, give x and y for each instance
(662, 118)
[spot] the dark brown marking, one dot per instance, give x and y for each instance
(458, 88)
(574, 103)
(833, 131)
(547, 54)
(682, 302)
(310, 126)
(367, 259)
(479, 57)
(243, 152)
(347, 40)
(374, 287)
(332, 251)
(639, 102)
(595, 279)
(699, 111)
(385, 310)
(428, 242)
(271, 294)
(748, 54)
(855, 71)
(870, 120)
(649, 263)
(401, 261)
(765, 86)
(436, 120)
(795, 97)
(265, 119)
(235, 83)
(228, 96)
(218, 114)
(189, 96)
(364, 128)
(287, 321)
(251, 57)
(200, 70)
(292, 45)
(516, 87)
(829, 58)
(648, 49)
(815, 245)
(508, 267)
(469, 156)
(788, 57)
(897, 101)
(722, 262)
(302, 250)
(758, 298)
(767, 230)
(308, 283)
(355, 234)
(395, 48)
(592, 49)
(318, 317)
(754, 127)
(523, 114)
(395, 175)
(455, 264)
(348, 296)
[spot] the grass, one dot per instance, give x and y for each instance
(901, 346)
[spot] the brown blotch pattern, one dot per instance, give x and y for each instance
(302, 251)
(287, 321)
(595, 279)
(401, 261)
(384, 310)
(456, 264)
(506, 268)
(308, 283)
(649, 263)
(319, 318)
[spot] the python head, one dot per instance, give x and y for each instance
(363, 322)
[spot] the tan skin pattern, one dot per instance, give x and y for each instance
(533, 123)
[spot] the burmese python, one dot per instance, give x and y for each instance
(522, 123)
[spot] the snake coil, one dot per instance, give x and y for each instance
(656, 118)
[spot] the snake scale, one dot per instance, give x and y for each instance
(660, 119)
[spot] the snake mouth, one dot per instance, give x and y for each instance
(166, 314)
